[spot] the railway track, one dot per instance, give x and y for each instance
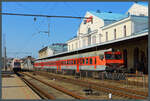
(45, 93)
(118, 91)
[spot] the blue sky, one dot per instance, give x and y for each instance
(22, 32)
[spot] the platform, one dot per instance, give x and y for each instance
(138, 78)
(14, 88)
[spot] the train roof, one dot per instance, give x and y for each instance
(101, 46)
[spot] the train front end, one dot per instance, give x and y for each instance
(16, 64)
(114, 61)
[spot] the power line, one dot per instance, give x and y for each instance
(44, 15)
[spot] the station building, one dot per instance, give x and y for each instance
(138, 9)
(127, 33)
(52, 49)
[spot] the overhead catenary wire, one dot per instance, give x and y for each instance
(38, 15)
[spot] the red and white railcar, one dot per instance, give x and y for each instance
(103, 60)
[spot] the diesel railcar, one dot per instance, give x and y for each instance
(103, 60)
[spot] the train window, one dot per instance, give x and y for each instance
(71, 61)
(95, 60)
(87, 60)
(90, 60)
(74, 61)
(83, 61)
(118, 56)
(101, 57)
(67, 61)
(80, 61)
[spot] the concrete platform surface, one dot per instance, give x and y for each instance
(14, 88)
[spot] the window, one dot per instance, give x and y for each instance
(76, 45)
(100, 37)
(67, 61)
(72, 46)
(114, 33)
(68, 47)
(87, 60)
(89, 30)
(89, 40)
(106, 36)
(80, 61)
(83, 61)
(90, 60)
(113, 56)
(95, 60)
(142, 15)
(84, 42)
(124, 29)
(74, 61)
(94, 39)
(84, 21)
(101, 57)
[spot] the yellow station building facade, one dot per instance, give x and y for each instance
(132, 27)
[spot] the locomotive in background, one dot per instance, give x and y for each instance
(16, 65)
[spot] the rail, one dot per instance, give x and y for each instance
(123, 92)
(57, 87)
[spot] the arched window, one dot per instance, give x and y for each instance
(99, 38)
(89, 30)
(83, 42)
(114, 33)
(93, 39)
(124, 30)
(76, 45)
(106, 36)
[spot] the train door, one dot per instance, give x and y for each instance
(78, 65)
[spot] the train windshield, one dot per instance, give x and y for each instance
(17, 63)
(113, 56)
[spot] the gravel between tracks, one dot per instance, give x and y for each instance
(57, 94)
(79, 90)
(112, 82)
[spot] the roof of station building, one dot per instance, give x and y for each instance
(109, 15)
(143, 3)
